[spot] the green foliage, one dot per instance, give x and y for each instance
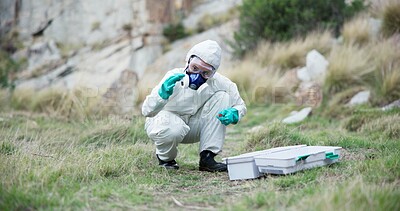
(278, 20)
(391, 19)
(174, 31)
(7, 148)
(7, 67)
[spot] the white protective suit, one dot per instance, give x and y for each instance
(190, 116)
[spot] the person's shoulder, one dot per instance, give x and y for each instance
(221, 78)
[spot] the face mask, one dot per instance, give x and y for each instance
(195, 80)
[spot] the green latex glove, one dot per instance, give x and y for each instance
(167, 87)
(228, 116)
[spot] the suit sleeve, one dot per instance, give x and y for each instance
(153, 102)
(237, 101)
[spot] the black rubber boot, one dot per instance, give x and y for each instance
(207, 162)
(168, 164)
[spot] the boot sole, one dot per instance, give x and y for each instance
(212, 170)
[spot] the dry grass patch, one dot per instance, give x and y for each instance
(71, 104)
(353, 195)
(391, 18)
(256, 84)
(357, 31)
(387, 126)
(385, 82)
(349, 65)
(292, 54)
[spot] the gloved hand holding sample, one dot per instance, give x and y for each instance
(167, 87)
(228, 116)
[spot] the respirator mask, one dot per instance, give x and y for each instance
(197, 73)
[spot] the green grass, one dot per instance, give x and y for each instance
(51, 164)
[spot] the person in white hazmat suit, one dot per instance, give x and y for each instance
(193, 104)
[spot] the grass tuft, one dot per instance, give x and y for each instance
(385, 82)
(117, 131)
(71, 104)
(357, 31)
(7, 148)
(391, 19)
(367, 117)
(363, 196)
(259, 87)
(386, 126)
(287, 55)
(349, 65)
(335, 106)
(275, 135)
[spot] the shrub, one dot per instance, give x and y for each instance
(391, 19)
(277, 20)
(174, 31)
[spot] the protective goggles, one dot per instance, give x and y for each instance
(196, 65)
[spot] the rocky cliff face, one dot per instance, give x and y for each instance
(97, 45)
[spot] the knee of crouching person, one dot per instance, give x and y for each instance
(168, 134)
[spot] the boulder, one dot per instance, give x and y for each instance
(297, 116)
(395, 104)
(360, 98)
(375, 27)
(303, 74)
(7, 15)
(316, 66)
(42, 53)
(309, 94)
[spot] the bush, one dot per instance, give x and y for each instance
(174, 32)
(391, 19)
(277, 20)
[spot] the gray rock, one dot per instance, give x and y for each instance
(42, 53)
(7, 14)
(375, 27)
(316, 66)
(297, 116)
(303, 75)
(144, 57)
(360, 98)
(395, 104)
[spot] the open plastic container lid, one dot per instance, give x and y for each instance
(249, 157)
(290, 157)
